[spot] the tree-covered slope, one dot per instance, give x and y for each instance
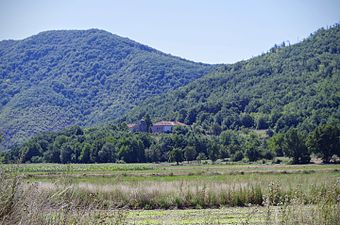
(60, 78)
(290, 86)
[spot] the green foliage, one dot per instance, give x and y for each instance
(214, 151)
(59, 78)
(275, 144)
(252, 153)
(201, 156)
(30, 150)
(289, 92)
(107, 153)
(148, 123)
(66, 153)
(294, 146)
(190, 153)
(110, 143)
(85, 153)
(325, 140)
(176, 155)
(153, 154)
(238, 156)
(294, 86)
(252, 148)
(2, 157)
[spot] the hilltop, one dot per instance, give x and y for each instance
(80, 77)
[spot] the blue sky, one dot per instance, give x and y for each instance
(210, 31)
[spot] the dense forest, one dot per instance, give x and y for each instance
(61, 78)
(291, 86)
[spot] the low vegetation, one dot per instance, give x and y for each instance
(265, 198)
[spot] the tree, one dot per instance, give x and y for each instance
(275, 144)
(268, 155)
(107, 153)
(216, 129)
(165, 146)
(252, 152)
(201, 156)
(252, 146)
(52, 155)
(190, 153)
(224, 152)
(247, 120)
(238, 156)
(131, 150)
(325, 141)
(191, 117)
(213, 152)
(294, 146)
(66, 153)
(29, 151)
(287, 121)
(85, 153)
(153, 154)
(262, 123)
(180, 130)
(148, 123)
(176, 155)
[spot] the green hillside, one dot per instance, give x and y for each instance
(290, 86)
(294, 86)
(61, 78)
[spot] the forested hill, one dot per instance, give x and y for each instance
(290, 86)
(60, 78)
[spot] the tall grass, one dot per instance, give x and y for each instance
(28, 204)
(66, 202)
(179, 195)
(323, 209)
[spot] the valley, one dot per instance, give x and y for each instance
(99, 129)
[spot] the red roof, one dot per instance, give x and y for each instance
(169, 123)
(131, 125)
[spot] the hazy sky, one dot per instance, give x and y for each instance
(211, 31)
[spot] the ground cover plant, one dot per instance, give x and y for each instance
(238, 194)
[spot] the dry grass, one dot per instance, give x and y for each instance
(294, 200)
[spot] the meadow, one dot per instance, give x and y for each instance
(190, 193)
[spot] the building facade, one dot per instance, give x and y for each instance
(159, 127)
(165, 126)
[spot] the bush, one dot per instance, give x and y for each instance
(238, 156)
(268, 155)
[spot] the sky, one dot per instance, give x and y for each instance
(209, 31)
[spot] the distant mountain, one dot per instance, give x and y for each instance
(61, 78)
(290, 86)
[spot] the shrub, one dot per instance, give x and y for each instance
(238, 156)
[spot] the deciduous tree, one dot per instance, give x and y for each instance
(325, 141)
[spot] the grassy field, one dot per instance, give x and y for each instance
(169, 194)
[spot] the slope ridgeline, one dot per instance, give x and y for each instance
(290, 86)
(60, 78)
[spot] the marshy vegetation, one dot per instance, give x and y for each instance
(160, 194)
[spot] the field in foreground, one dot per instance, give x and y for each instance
(168, 194)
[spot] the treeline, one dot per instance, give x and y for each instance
(113, 143)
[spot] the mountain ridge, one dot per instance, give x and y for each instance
(60, 78)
